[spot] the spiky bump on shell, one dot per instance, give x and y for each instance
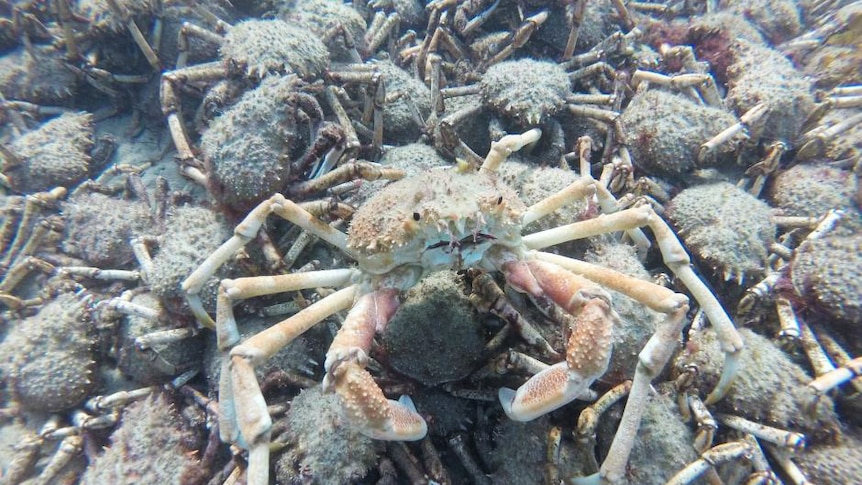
(666, 130)
(259, 47)
(769, 388)
(322, 17)
(56, 154)
(37, 75)
(191, 234)
(49, 357)
(725, 226)
(246, 146)
(324, 447)
(837, 463)
(811, 189)
(98, 228)
(759, 74)
(417, 212)
(151, 445)
(526, 90)
(829, 269)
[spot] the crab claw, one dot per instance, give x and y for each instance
(588, 350)
(546, 391)
(403, 423)
(370, 412)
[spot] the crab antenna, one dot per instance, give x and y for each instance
(502, 148)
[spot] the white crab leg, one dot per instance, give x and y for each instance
(577, 190)
(651, 361)
(231, 290)
(243, 233)
(711, 458)
(241, 403)
(502, 148)
(656, 297)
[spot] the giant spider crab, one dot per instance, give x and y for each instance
(445, 219)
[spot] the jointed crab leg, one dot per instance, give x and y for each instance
(839, 376)
(232, 290)
(172, 109)
(656, 297)
(32, 205)
(656, 353)
(675, 257)
(777, 436)
(651, 361)
(228, 335)
(502, 148)
(588, 422)
(588, 350)
(241, 402)
(364, 403)
(575, 191)
(243, 233)
(710, 459)
(652, 358)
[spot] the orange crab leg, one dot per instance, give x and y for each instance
(364, 404)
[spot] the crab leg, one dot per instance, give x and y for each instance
(241, 402)
(704, 83)
(746, 121)
(232, 290)
(588, 350)
(502, 148)
(577, 190)
(137, 35)
(364, 403)
(675, 257)
(228, 335)
(243, 233)
(710, 459)
(588, 420)
(378, 33)
(519, 37)
(839, 376)
(172, 109)
(32, 205)
(575, 15)
(349, 171)
(657, 351)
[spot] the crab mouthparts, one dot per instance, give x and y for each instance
(450, 246)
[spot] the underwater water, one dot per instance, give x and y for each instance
(450, 242)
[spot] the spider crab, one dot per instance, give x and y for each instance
(446, 219)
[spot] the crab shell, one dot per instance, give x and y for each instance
(439, 219)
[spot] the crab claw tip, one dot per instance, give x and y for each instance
(546, 391)
(403, 424)
(507, 397)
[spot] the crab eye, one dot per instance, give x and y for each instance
(499, 200)
(416, 216)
